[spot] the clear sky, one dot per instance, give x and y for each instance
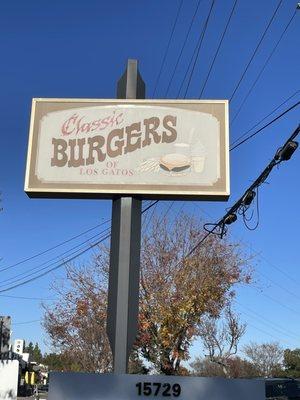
(79, 49)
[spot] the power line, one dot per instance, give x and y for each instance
(54, 247)
(55, 267)
(167, 48)
(150, 206)
(230, 216)
(276, 301)
(149, 219)
(64, 242)
(26, 274)
(267, 277)
(290, 277)
(280, 286)
(189, 64)
(218, 48)
(268, 333)
(255, 51)
(187, 70)
(182, 48)
(60, 256)
(91, 245)
(266, 321)
(202, 35)
(26, 322)
(268, 115)
(258, 252)
(26, 298)
(265, 126)
(263, 67)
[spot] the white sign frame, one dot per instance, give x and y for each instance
(194, 183)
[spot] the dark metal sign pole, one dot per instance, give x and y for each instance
(123, 293)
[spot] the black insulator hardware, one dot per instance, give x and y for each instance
(230, 219)
(248, 198)
(286, 152)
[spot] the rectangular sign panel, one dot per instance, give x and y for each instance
(78, 386)
(151, 149)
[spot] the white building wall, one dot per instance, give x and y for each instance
(9, 374)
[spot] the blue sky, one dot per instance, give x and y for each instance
(79, 49)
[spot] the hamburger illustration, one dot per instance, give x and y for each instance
(175, 162)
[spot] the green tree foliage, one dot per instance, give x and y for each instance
(29, 348)
(291, 362)
(60, 362)
(35, 352)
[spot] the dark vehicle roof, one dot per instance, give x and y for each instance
(279, 387)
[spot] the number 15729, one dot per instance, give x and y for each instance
(157, 388)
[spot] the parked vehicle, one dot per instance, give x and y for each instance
(282, 389)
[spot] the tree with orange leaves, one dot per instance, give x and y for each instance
(176, 294)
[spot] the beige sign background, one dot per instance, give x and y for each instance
(155, 149)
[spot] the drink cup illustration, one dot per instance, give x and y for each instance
(198, 163)
(198, 157)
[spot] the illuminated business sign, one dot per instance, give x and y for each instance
(151, 149)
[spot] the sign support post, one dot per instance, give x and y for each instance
(123, 294)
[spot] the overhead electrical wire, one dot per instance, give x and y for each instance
(255, 50)
(268, 262)
(193, 57)
(187, 70)
(67, 253)
(55, 267)
(26, 298)
(230, 216)
(280, 286)
(167, 48)
(146, 223)
(26, 322)
(53, 247)
(218, 48)
(263, 318)
(58, 257)
(67, 241)
(264, 118)
(64, 262)
(265, 126)
(182, 48)
(283, 272)
(150, 206)
(268, 333)
(201, 38)
(30, 273)
(283, 305)
(263, 67)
